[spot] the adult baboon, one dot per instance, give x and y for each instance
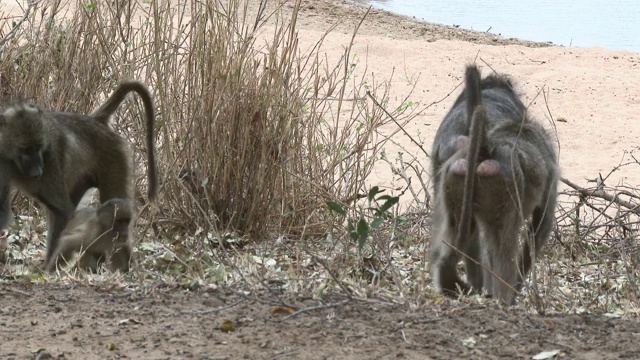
(97, 235)
(55, 157)
(493, 169)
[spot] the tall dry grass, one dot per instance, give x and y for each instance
(247, 137)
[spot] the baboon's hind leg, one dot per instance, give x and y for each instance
(473, 261)
(538, 232)
(444, 259)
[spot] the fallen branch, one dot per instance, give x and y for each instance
(603, 195)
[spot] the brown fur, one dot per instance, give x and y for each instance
(56, 157)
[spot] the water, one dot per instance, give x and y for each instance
(604, 23)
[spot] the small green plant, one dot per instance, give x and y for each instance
(370, 218)
(404, 106)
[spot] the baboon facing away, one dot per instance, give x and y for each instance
(97, 235)
(494, 168)
(55, 157)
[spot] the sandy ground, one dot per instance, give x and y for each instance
(589, 92)
(590, 89)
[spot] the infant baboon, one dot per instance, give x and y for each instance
(97, 235)
(494, 168)
(56, 157)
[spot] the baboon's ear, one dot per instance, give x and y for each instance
(510, 83)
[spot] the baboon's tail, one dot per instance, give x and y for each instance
(476, 114)
(115, 100)
(477, 118)
(104, 112)
(472, 89)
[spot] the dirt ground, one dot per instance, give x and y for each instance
(85, 322)
(170, 322)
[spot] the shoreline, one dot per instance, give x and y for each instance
(398, 26)
(589, 89)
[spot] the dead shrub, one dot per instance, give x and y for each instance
(254, 134)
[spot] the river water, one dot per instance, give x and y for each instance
(609, 24)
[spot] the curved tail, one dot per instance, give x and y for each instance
(104, 112)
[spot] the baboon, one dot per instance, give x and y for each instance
(97, 235)
(56, 156)
(494, 168)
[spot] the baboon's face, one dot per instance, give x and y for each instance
(22, 138)
(30, 161)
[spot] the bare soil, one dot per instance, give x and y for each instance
(171, 322)
(86, 322)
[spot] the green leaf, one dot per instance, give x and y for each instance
(375, 211)
(363, 232)
(389, 203)
(373, 192)
(352, 230)
(377, 222)
(333, 206)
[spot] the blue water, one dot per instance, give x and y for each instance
(613, 24)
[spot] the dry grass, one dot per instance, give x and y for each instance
(246, 132)
(594, 257)
(255, 136)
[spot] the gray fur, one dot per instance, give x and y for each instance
(514, 182)
(97, 235)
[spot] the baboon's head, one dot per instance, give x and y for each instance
(23, 138)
